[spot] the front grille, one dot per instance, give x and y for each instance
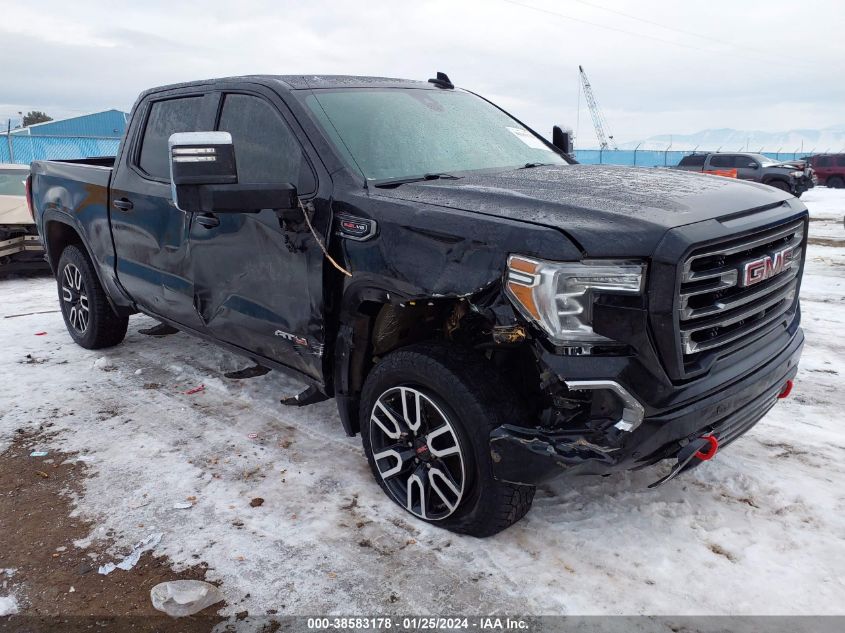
(738, 290)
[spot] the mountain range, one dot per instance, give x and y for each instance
(829, 139)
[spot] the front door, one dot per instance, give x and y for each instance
(258, 278)
(747, 168)
(150, 233)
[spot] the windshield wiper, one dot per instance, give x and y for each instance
(395, 182)
(530, 165)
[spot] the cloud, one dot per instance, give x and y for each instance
(779, 70)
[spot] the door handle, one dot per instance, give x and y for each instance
(209, 221)
(123, 204)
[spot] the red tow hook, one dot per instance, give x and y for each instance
(712, 448)
(703, 448)
(787, 389)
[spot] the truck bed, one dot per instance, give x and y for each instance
(75, 194)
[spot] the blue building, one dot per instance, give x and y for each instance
(109, 123)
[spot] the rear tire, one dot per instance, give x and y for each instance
(444, 477)
(89, 318)
(835, 182)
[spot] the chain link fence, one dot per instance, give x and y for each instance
(22, 148)
(654, 158)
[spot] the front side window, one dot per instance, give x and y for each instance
(166, 118)
(840, 161)
(266, 151)
(407, 132)
(824, 161)
(13, 182)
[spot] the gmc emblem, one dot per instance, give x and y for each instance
(758, 270)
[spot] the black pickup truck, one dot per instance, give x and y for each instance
(486, 312)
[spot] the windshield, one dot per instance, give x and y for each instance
(400, 133)
(12, 182)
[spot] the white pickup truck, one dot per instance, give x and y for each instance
(19, 241)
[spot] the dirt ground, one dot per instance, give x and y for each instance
(62, 586)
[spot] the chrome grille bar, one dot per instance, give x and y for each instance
(737, 300)
(691, 346)
(769, 236)
(720, 306)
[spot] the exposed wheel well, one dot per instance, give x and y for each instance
(378, 329)
(59, 236)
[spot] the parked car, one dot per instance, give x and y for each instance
(19, 241)
(830, 169)
(755, 167)
(486, 313)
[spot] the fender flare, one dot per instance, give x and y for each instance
(53, 215)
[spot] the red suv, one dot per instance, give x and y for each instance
(830, 169)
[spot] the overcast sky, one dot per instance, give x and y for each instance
(656, 67)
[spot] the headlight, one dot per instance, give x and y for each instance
(797, 174)
(558, 296)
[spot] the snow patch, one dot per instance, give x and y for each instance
(8, 605)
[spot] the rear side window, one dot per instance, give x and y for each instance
(824, 161)
(840, 161)
(722, 160)
(266, 150)
(166, 118)
(696, 160)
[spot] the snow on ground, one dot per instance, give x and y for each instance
(756, 531)
(8, 604)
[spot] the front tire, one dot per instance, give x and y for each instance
(426, 415)
(835, 182)
(89, 318)
(779, 184)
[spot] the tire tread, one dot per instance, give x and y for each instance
(472, 379)
(107, 327)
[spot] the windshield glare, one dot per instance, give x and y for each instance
(765, 161)
(399, 133)
(12, 183)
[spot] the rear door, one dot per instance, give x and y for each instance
(721, 162)
(150, 233)
(257, 277)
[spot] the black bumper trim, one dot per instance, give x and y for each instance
(530, 455)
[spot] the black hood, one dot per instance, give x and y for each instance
(592, 203)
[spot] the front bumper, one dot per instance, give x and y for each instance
(530, 455)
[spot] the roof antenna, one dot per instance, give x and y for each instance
(442, 81)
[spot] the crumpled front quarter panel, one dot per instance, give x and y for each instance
(426, 251)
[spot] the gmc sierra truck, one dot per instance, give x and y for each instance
(795, 177)
(485, 312)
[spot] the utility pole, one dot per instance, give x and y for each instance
(9, 140)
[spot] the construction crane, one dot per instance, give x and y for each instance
(599, 123)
